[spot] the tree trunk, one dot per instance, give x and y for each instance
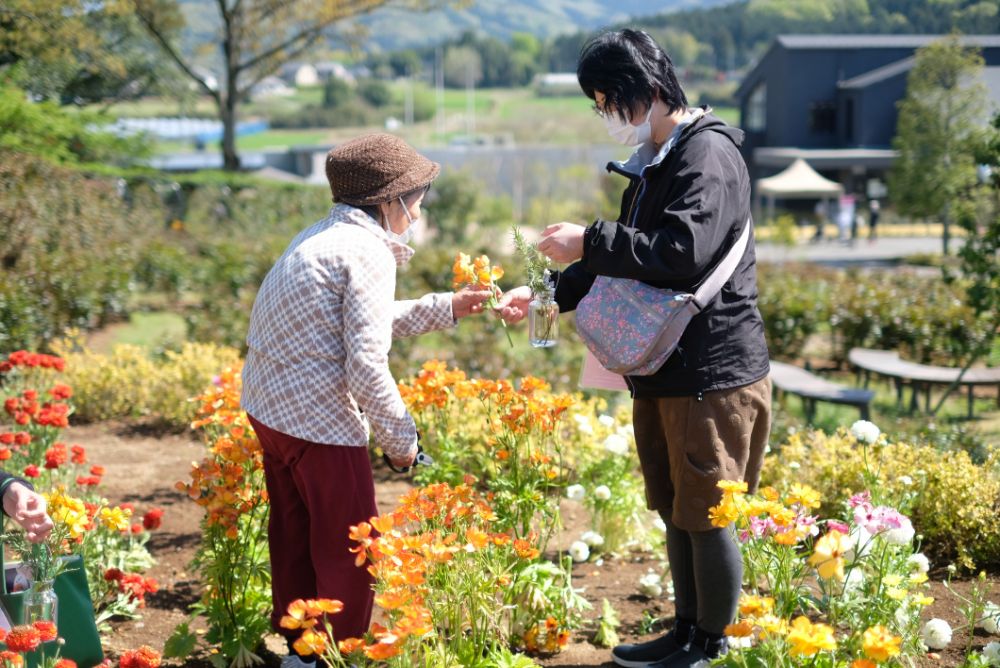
(946, 236)
(230, 159)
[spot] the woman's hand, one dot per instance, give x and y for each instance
(562, 242)
(467, 301)
(27, 508)
(405, 461)
(513, 305)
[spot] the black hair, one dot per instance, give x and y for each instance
(630, 68)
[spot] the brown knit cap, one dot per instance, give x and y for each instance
(376, 168)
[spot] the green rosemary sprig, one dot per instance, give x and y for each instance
(537, 266)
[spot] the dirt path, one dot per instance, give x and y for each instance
(143, 466)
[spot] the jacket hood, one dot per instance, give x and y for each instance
(647, 157)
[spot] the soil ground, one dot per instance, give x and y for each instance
(143, 465)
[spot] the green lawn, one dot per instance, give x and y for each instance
(144, 329)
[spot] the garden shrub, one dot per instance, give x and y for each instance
(130, 382)
(957, 505)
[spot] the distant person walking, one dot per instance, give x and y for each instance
(874, 211)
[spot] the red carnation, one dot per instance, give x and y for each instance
(152, 519)
(4, 454)
(60, 391)
(22, 438)
(12, 659)
(23, 639)
(113, 575)
(5, 367)
(65, 663)
(46, 630)
(96, 470)
(144, 657)
(7, 438)
(136, 528)
(30, 395)
(79, 454)
(31, 471)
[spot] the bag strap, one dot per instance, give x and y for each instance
(3, 566)
(707, 290)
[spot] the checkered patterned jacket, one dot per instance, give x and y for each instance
(320, 333)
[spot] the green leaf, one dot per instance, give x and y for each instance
(181, 643)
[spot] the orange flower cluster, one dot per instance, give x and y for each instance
(305, 615)
(532, 407)
(228, 483)
(144, 657)
(546, 637)
(433, 528)
(475, 273)
(432, 386)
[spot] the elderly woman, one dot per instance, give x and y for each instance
(317, 375)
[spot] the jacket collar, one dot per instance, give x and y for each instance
(647, 156)
(345, 213)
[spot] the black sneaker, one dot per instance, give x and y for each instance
(647, 653)
(699, 653)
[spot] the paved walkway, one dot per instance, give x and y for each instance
(882, 251)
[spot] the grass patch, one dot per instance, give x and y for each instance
(150, 330)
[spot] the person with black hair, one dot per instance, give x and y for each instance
(704, 416)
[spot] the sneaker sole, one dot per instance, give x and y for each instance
(630, 664)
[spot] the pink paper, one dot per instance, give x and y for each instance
(596, 377)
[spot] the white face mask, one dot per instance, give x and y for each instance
(625, 133)
(406, 235)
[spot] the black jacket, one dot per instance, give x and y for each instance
(688, 210)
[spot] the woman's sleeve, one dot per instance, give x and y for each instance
(368, 326)
(572, 285)
(419, 316)
(6, 480)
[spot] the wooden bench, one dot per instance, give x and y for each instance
(813, 388)
(918, 376)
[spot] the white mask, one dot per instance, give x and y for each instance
(625, 133)
(406, 235)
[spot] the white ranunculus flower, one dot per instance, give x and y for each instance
(660, 525)
(592, 538)
(936, 634)
(616, 444)
(905, 480)
(854, 581)
(579, 551)
(865, 431)
(650, 585)
(901, 536)
(991, 618)
(919, 562)
(745, 642)
(992, 653)
(861, 543)
(606, 420)
(602, 493)
(626, 430)
(576, 492)
(795, 466)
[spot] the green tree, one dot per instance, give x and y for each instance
(979, 215)
(255, 38)
(76, 51)
(941, 121)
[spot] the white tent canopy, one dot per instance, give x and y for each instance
(799, 181)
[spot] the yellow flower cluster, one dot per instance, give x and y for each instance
(475, 273)
(785, 521)
(68, 511)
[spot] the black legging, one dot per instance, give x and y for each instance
(707, 571)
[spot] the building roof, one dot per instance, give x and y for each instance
(824, 158)
(880, 74)
(878, 41)
(832, 42)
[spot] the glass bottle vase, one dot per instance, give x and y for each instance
(543, 320)
(40, 603)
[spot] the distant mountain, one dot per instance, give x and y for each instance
(391, 29)
(394, 29)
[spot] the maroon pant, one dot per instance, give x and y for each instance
(317, 493)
